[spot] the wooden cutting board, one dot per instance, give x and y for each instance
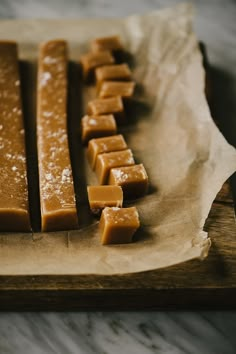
(195, 284)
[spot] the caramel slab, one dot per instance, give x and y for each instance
(101, 145)
(110, 160)
(97, 126)
(111, 105)
(118, 225)
(112, 43)
(116, 88)
(132, 179)
(104, 196)
(57, 197)
(14, 206)
(118, 72)
(91, 61)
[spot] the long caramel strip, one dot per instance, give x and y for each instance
(14, 207)
(57, 196)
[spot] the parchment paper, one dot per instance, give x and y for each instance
(173, 135)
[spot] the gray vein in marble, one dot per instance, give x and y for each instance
(100, 333)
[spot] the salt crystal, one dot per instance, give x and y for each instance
(92, 121)
(48, 176)
(44, 78)
(65, 176)
(50, 60)
(47, 114)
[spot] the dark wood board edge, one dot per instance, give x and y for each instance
(118, 300)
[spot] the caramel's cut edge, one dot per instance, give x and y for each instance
(50, 41)
(105, 186)
(21, 215)
(8, 42)
(48, 224)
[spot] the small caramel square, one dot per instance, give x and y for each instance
(125, 89)
(132, 179)
(112, 43)
(118, 225)
(91, 61)
(110, 160)
(97, 126)
(104, 196)
(111, 105)
(101, 145)
(118, 72)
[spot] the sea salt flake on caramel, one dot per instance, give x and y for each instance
(91, 61)
(112, 43)
(116, 88)
(97, 126)
(14, 205)
(118, 72)
(118, 225)
(105, 144)
(132, 179)
(57, 197)
(104, 196)
(110, 160)
(111, 105)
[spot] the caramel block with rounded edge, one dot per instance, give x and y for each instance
(14, 208)
(110, 160)
(97, 126)
(132, 179)
(104, 196)
(91, 61)
(112, 43)
(118, 72)
(118, 225)
(116, 88)
(111, 105)
(101, 145)
(57, 197)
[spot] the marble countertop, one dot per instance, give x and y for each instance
(130, 332)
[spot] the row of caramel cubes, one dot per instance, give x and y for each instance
(108, 153)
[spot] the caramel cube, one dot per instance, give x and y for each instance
(118, 72)
(97, 126)
(132, 179)
(112, 43)
(116, 88)
(111, 105)
(91, 61)
(118, 225)
(101, 145)
(104, 196)
(110, 160)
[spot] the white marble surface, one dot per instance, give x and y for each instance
(136, 332)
